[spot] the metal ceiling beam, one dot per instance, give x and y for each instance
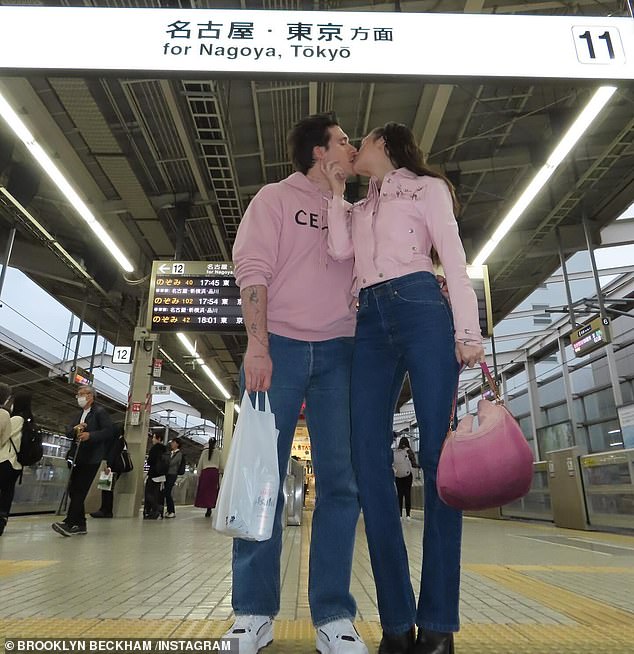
(312, 97)
(172, 104)
(258, 129)
(368, 109)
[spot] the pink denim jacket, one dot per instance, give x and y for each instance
(391, 233)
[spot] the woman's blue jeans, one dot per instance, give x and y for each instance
(405, 325)
(318, 372)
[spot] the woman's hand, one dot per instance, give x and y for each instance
(469, 355)
(444, 289)
(335, 175)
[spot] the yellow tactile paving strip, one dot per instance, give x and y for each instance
(8, 568)
(598, 628)
(297, 636)
(601, 569)
(583, 610)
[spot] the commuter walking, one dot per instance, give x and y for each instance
(404, 324)
(9, 466)
(208, 470)
(403, 466)
(91, 432)
(158, 465)
(299, 316)
(176, 467)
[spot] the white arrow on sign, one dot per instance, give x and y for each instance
(163, 268)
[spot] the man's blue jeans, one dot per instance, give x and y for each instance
(405, 325)
(318, 372)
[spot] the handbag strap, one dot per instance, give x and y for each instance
(492, 385)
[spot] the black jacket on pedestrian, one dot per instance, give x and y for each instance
(154, 456)
(114, 449)
(99, 426)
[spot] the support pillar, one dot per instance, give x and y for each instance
(7, 257)
(609, 348)
(129, 488)
(533, 401)
(568, 390)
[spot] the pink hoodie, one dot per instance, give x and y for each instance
(282, 244)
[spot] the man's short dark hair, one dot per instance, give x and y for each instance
(305, 135)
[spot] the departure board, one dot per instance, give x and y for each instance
(194, 296)
(590, 336)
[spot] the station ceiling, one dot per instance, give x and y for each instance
(153, 154)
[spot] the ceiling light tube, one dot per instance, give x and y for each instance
(22, 132)
(205, 368)
(598, 101)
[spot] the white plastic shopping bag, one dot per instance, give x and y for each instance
(250, 484)
(105, 481)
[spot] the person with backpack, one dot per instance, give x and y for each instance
(177, 467)
(23, 448)
(158, 464)
(9, 467)
(403, 466)
(91, 432)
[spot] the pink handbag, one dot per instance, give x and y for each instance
(487, 467)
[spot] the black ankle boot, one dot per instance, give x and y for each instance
(399, 644)
(433, 642)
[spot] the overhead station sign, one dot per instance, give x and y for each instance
(590, 336)
(316, 43)
(194, 296)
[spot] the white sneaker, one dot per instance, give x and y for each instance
(254, 632)
(170, 515)
(339, 637)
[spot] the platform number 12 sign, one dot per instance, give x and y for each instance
(598, 45)
(122, 354)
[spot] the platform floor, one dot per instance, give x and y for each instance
(526, 587)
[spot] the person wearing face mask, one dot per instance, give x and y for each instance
(91, 431)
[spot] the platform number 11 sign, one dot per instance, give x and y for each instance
(598, 45)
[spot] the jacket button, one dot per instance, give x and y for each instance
(411, 231)
(384, 195)
(380, 274)
(364, 280)
(413, 247)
